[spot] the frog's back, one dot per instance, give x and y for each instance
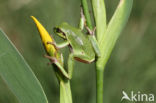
(79, 41)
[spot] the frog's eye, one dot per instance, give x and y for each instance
(57, 30)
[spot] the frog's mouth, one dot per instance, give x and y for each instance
(59, 32)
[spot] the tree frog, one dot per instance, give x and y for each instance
(80, 46)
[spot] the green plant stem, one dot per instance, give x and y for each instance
(100, 20)
(99, 85)
(99, 12)
(86, 13)
(65, 92)
(99, 70)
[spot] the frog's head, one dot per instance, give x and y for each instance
(61, 30)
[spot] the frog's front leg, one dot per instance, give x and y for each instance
(60, 45)
(60, 67)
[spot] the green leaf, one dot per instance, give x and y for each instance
(113, 31)
(100, 17)
(18, 75)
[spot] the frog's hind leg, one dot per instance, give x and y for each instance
(90, 32)
(70, 64)
(93, 40)
(60, 67)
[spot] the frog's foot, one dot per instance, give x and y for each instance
(59, 46)
(54, 44)
(52, 59)
(82, 19)
(82, 15)
(91, 32)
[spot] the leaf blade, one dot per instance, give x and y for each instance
(113, 31)
(18, 75)
(100, 17)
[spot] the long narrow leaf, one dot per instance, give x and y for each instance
(113, 30)
(100, 17)
(18, 75)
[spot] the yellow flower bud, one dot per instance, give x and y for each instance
(45, 37)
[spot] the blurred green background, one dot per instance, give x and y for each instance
(132, 65)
